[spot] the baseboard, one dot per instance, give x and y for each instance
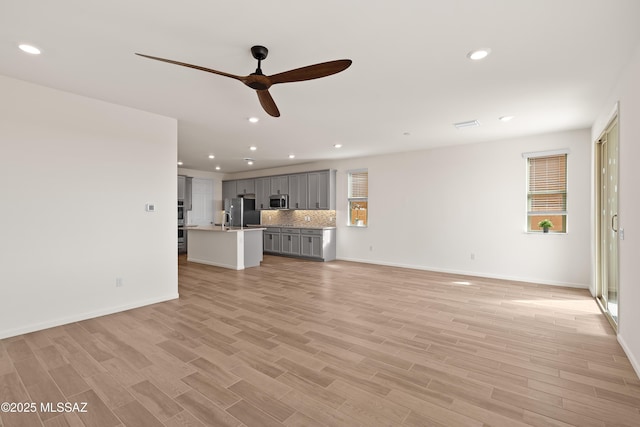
(83, 316)
(630, 355)
(470, 273)
(215, 264)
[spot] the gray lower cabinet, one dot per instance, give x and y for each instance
(312, 243)
(271, 240)
(318, 243)
(290, 241)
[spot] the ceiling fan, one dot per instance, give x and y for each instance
(261, 83)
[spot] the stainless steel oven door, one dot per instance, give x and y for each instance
(181, 217)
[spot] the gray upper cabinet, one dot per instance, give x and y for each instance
(280, 184)
(229, 189)
(322, 189)
(184, 190)
(263, 191)
(307, 190)
(188, 192)
(246, 186)
(181, 187)
(298, 188)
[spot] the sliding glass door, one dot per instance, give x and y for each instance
(607, 162)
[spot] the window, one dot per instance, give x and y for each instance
(547, 190)
(358, 198)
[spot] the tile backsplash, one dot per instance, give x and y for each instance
(299, 218)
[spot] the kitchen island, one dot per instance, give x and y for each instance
(234, 248)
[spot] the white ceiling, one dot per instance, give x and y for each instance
(553, 63)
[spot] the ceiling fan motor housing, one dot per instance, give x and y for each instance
(259, 52)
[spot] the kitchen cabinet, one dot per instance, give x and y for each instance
(245, 186)
(263, 191)
(229, 189)
(188, 193)
(182, 182)
(298, 189)
(307, 190)
(322, 189)
(311, 243)
(280, 184)
(318, 243)
(290, 241)
(271, 240)
(184, 190)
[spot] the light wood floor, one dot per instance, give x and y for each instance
(300, 343)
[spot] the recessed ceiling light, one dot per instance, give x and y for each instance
(406, 133)
(253, 119)
(29, 49)
(469, 124)
(478, 54)
(253, 148)
(217, 168)
(337, 145)
(292, 156)
(179, 163)
(250, 162)
(211, 156)
(505, 118)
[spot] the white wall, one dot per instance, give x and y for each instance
(432, 209)
(627, 92)
(76, 175)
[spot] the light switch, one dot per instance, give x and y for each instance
(150, 207)
(621, 233)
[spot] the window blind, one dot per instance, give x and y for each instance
(359, 186)
(548, 184)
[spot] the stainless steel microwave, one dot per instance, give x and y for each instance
(279, 201)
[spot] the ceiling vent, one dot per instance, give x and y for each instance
(469, 124)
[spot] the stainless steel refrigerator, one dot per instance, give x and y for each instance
(240, 211)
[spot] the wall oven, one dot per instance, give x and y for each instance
(182, 233)
(181, 213)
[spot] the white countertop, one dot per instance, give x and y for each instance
(307, 227)
(220, 229)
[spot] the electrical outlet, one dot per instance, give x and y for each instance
(371, 248)
(473, 256)
(119, 282)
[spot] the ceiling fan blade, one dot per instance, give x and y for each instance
(197, 67)
(311, 72)
(268, 103)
